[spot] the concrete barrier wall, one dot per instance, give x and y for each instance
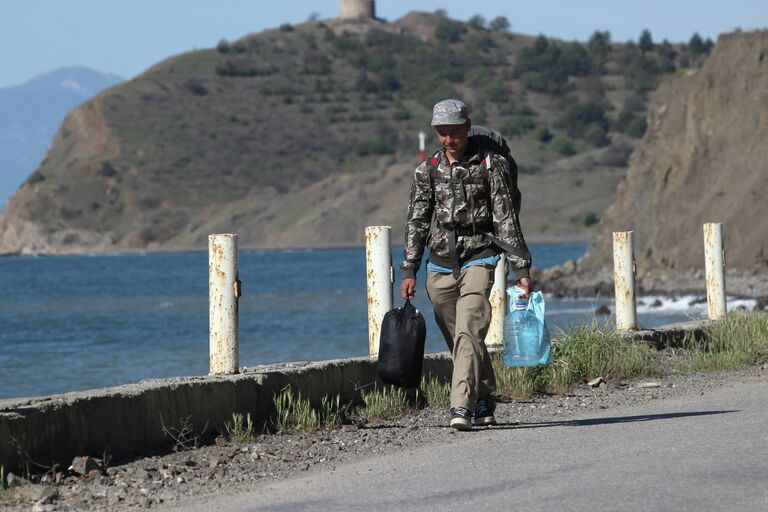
(125, 421)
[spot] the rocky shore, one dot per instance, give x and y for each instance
(568, 280)
(175, 478)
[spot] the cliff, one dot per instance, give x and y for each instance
(704, 158)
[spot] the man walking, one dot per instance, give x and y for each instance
(467, 189)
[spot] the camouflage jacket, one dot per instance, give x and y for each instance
(474, 206)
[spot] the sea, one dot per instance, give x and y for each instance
(71, 323)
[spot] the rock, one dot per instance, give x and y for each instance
(761, 304)
(350, 428)
(95, 473)
(651, 384)
(83, 465)
(13, 480)
(38, 493)
(657, 303)
(141, 475)
(595, 382)
(603, 310)
(698, 300)
(569, 267)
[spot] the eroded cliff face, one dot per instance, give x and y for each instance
(703, 159)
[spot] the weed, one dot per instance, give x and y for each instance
(739, 340)
(517, 383)
(183, 437)
(589, 352)
(240, 428)
(387, 404)
(294, 413)
(437, 393)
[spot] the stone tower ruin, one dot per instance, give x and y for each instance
(355, 9)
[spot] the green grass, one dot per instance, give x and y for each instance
(386, 404)
(437, 392)
(240, 428)
(293, 413)
(589, 352)
(740, 340)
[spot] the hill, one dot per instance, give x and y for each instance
(31, 113)
(703, 159)
(302, 135)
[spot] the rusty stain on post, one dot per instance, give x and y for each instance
(498, 299)
(378, 264)
(714, 262)
(624, 280)
(223, 293)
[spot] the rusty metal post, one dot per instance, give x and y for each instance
(624, 280)
(223, 295)
(498, 298)
(714, 262)
(378, 263)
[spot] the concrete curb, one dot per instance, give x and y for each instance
(125, 421)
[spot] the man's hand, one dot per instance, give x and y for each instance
(408, 288)
(526, 284)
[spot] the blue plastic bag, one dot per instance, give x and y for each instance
(526, 337)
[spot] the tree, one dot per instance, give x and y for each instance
(500, 24)
(477, 22)
(696, 46)
(646, 42)
(599, 47)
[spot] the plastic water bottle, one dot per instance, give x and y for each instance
(521, 331)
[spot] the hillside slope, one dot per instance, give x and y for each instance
(703, 159)
(301, 136)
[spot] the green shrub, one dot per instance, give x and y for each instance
(477, 22)
(223, 46)
(562, 145)
(35, 177)
(590, 219)
(542, 134)
(597, 135)
(578, 117)
(637, 127)
(448, 31)
(500, 24)
(286, 27)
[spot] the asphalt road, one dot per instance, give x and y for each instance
(705, 452)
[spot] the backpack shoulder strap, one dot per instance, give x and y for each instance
(433, 164)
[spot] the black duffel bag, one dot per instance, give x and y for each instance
(401, 346)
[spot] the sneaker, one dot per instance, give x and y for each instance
(461, 418)
(484, 412)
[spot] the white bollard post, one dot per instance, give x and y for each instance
(714, 262)
(378, 263)
(223, 295)
(624, 280)
(498, 298)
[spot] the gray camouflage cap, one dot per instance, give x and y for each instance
(449, 112)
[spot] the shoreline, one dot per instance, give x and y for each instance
(94, 251)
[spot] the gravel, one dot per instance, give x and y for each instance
(228, 467)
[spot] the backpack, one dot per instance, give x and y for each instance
(493, 143)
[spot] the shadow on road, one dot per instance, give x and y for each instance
(609, 420)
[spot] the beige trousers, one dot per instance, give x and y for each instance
(463, 314)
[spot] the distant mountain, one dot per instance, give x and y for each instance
(31, 113)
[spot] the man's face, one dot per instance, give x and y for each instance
(453, 137)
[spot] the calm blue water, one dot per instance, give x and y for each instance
(78, 322)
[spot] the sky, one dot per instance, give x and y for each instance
(126, 37)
